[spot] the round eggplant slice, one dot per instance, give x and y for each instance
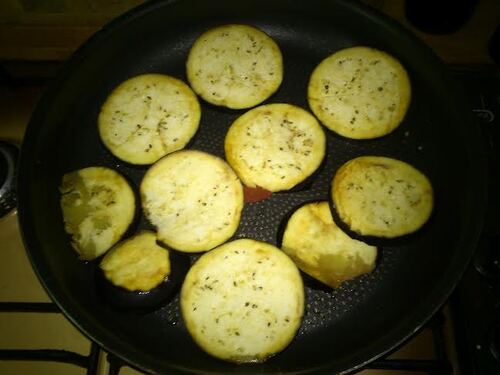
(137, 264)
(381, 197)
(275, 146)
(360, 92)
(147, 117)
(115, 277)
(235, 66)
(98, 205)
(243, 302)
(194, 199)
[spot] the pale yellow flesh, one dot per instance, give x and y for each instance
(360, 92)
(383, 197)
(137, 264)
(235, 66)
(98, 205)
(243, 302)
(275, 146)
(194, 199)
(147, 117)
(322, 250)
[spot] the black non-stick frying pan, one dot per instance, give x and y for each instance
(342, 329)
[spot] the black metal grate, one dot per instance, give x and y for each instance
(438, 366)
(88, 362)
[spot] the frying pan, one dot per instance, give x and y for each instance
(342, 329)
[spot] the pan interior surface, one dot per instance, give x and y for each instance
(342, 329)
